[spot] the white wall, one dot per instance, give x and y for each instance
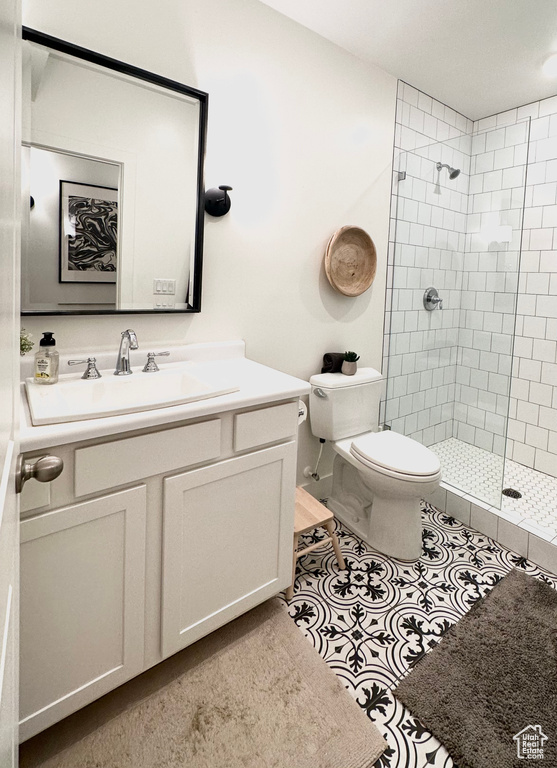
(302, 131)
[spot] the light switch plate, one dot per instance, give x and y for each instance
(164, 286)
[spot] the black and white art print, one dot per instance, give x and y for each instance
(88, 233)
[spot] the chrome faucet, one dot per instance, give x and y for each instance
(128, 341)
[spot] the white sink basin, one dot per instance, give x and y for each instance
(76, 399)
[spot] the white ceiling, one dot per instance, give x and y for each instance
(478, 56)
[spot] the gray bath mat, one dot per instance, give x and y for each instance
(488, 692)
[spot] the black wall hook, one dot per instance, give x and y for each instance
(217, 202)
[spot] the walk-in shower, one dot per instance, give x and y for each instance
(450, 378)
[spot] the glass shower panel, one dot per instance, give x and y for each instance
(488, 310)
(449, 368)
(429, 230)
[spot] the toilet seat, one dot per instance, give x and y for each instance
(395, 455)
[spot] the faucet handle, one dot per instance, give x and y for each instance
(150, 365)
(91, 372)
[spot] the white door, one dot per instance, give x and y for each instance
(10, 52)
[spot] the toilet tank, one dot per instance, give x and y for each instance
(342, 406)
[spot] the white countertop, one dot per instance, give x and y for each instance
(258, 384)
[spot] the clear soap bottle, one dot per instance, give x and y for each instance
(46, 360)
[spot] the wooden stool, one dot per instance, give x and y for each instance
(310, 514)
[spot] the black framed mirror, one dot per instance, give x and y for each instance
(112, 167)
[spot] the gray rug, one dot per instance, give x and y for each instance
(493, 677)
(254, 694)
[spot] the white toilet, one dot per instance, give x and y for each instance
(378, 477)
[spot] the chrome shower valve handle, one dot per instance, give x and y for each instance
(432, 300)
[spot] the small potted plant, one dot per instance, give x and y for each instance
(350, 363)
(25, 343)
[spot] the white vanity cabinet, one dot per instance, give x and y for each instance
(148, 541)
(82, 603)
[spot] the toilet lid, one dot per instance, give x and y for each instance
(395, 452)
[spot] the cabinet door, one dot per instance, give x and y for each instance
(82, 605)
(227, 541)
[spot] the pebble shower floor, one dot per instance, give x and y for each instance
(375, 620)
(480, 473)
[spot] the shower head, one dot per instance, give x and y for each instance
(453, 172)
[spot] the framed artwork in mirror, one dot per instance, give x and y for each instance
(88, 233)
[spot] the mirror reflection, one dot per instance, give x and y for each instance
(71, 257)
(112, 169)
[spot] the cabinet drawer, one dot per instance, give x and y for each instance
(135, 458)
(265, 425)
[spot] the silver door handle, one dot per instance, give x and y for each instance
(44, 469)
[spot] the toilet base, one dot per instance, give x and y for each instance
(390, 525)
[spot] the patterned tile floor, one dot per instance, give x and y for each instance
(374, 621)
(480, 474)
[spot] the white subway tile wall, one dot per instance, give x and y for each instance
(449, 371)
(428, 235)
(490, 283)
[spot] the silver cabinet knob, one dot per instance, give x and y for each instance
(44, 469)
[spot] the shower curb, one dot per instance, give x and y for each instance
(511, 530)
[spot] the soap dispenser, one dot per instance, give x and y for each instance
(46, 360)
